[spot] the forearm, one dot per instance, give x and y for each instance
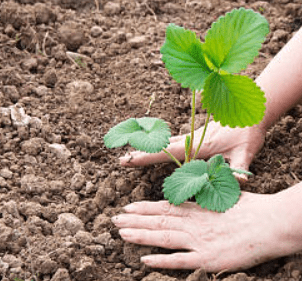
(289, 212)
(281, 81)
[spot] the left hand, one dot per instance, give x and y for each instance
(243, 236)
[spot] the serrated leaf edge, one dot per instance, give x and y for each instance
(256, 53)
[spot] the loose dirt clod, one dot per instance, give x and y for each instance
(18, 116)
(112, 8)
(67, 224)
(72, 36)
(60, 150)
(60, 275)
(154, 276)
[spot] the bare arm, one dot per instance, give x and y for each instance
(289, 212)
(281, 81)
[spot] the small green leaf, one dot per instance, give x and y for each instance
(221, 192)
(235, 39)
(212, 183)
(233, 100)
(183, 56)
(240, 171)
(214, 163)
(185, 182)
(146, 134)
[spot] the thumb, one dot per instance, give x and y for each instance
(241, 160)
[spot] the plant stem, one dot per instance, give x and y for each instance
(172, 157)
(188, 156)
(203, 135)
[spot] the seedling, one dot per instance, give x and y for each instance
(152, 99)
(80, 62)
(18, 279)
(230, 45)
(17, 38)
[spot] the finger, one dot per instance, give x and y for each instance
(161, 208)
(139, 158)
(178, 138)
(149, 222)
(169, 239)
(189, 260)
(241, 160)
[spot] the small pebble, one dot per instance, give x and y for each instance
(96, 31)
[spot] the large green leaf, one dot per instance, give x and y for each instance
(233, 100)
(185, 182)
(235, 39)
(183, 56)
(221, 192)
(146, 134)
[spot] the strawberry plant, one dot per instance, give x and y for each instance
(234, 100)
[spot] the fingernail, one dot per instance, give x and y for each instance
(146, 260)
(125, 232)
(126, 159)
(114, 219)
(129, 208)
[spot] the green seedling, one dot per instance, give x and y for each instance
(17, 38)
(79, 62)
(234, 100)
(32, 279)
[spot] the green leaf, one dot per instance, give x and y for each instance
(183, 56)
(212, 183)
(240, 171)
(217, 161)
(221, 192)
(146, 134)
(233, 100)
(214, 163)
(185, 182)
(235, 39)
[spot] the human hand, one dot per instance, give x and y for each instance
(233, 240)
(238, 145)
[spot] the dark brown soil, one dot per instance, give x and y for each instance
(69, 71)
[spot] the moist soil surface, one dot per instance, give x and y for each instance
(69, 71)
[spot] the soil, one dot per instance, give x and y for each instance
(69, 71)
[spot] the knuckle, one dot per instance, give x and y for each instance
(188, 218)
(167, 242)
(162, 223)
(166, 208)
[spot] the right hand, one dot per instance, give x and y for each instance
(238, 146)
